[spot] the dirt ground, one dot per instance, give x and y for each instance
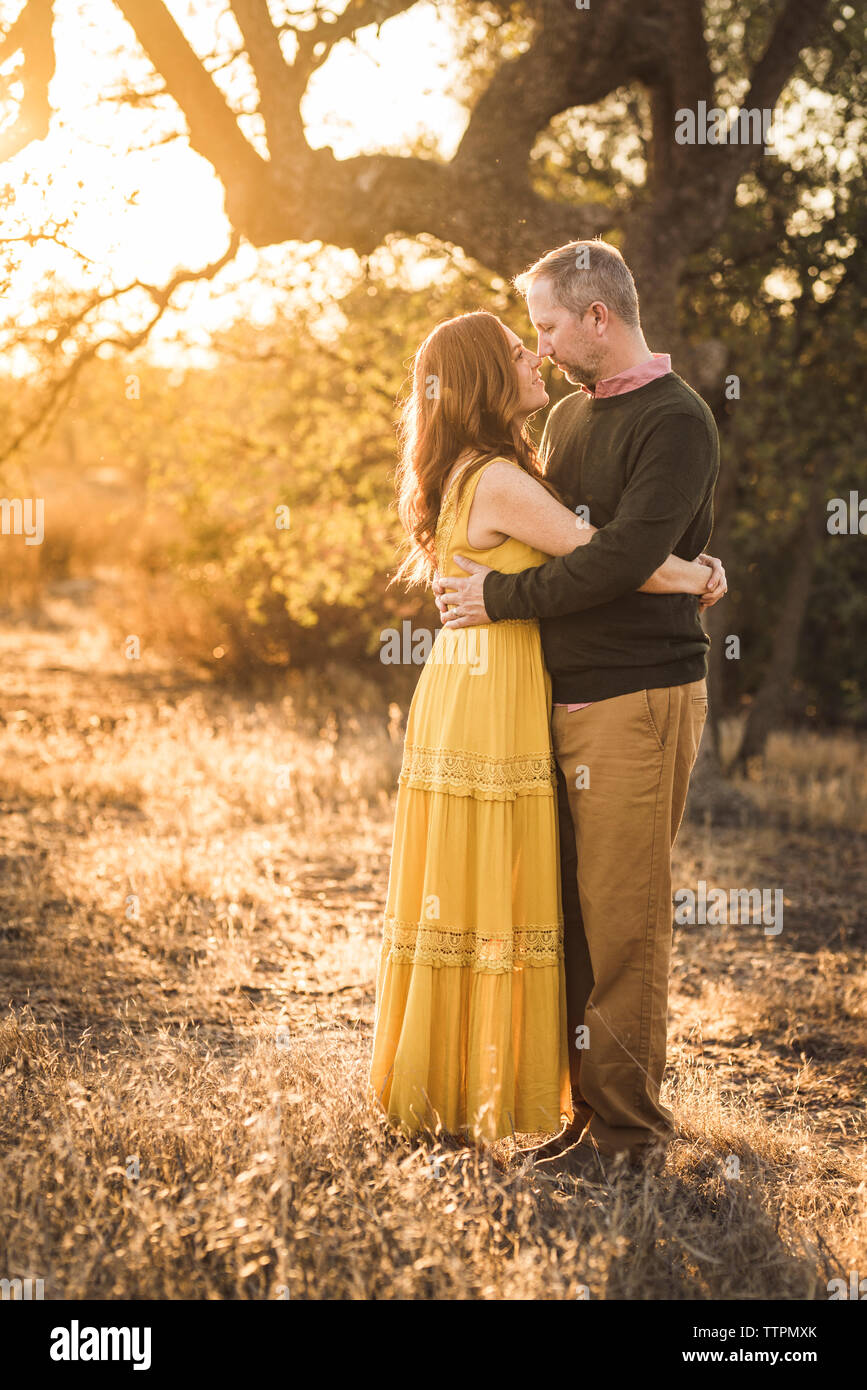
(180, 863)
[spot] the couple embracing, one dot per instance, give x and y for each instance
(522, 985)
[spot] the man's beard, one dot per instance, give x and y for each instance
(578, 375)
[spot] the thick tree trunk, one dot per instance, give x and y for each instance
(482, 199)
(719, 619)
(768, 709)
(712, 800)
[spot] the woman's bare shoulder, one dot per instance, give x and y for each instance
(505, 478)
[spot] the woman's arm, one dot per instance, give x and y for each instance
(510, 502)
(676, 576)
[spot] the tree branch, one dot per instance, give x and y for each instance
(574, 60)
(720, 169)
(32, 35)
(315, 44)
(278, 89)
(213, 127)
(161, 296)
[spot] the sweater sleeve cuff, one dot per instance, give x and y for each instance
(495, 592)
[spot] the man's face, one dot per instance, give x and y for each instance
(573, 343)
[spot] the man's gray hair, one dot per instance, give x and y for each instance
(582, 273)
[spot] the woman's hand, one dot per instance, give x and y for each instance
(462, 601)
(717, 585)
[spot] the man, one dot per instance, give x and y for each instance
(638, 450)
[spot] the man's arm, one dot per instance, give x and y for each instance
(668, 486)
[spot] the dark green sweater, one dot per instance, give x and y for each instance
(645, 464)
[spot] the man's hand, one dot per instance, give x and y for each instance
(717, 585)
(460, 601)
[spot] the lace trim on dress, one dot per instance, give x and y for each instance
(445, 530)
(411, 943)
(478, 774)
(447, 518)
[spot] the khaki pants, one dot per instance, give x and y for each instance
(624, 768)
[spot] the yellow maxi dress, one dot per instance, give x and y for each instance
(470, 1020)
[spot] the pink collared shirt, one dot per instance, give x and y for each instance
(632, 378)
(618, 385)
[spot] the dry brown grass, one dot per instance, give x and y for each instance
(818, 779)
(191, 896)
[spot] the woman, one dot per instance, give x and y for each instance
(470, 1025)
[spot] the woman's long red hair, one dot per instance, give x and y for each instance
(464, 397)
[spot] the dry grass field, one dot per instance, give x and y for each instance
(190, 894)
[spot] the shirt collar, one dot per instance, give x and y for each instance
(632, 377)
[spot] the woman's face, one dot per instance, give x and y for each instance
(532, 395)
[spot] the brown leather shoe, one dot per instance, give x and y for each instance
(551, 1148)
(581, 1160)
(569, 1135)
